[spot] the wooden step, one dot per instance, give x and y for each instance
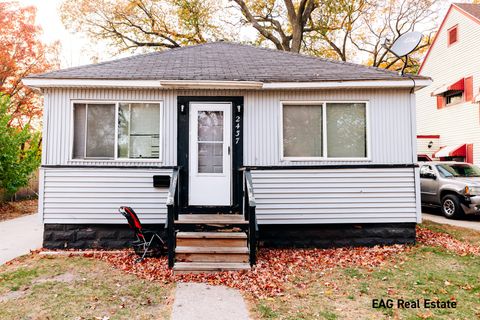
(211, 254)
(215, 219)
(212, 239)
(208, 267)
(211, 250)
(216, 235)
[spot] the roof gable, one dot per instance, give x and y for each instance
(471, 11)
(224, 61)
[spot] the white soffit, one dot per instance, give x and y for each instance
(187, 84)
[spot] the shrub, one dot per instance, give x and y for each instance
(19, 151)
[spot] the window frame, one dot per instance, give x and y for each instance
(449, 42)
(115, 157)
(324, 156)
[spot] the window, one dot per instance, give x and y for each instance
(427, 172)
(452, 35)
(454, 98)
(302, 130)
(95, 128)
(138, 130)
(324, 130)
(210, 141)
(346, 130)
(94, 135)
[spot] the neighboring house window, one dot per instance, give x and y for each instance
(452, 35)
(95, 129)
(458, 92)
(324, 130)
(454, 98)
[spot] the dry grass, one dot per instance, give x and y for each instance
(459, 233)
(45, 287)
(12, 210)
(424, 272)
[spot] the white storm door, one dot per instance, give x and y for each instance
(209, 154)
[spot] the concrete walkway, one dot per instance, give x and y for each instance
(470, 222)
(19, 236)
(198, 301)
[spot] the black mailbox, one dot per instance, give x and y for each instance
(161, 181)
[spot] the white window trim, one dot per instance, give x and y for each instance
(115, 158)
(324, 156)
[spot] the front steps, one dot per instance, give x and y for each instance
(200, 252)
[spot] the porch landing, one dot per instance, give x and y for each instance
(217, 219)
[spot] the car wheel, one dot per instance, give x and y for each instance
(451, 208)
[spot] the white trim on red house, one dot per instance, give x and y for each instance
(185, 84)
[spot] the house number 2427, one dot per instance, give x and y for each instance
(237, 129)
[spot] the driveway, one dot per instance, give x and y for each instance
(470, 222)
(19, 236)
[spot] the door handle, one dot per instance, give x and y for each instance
(228, 150)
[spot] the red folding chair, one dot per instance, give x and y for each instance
(148, 242)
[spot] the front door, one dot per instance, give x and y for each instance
(210, 163)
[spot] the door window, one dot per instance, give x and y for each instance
(210, 141)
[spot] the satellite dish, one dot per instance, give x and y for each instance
(406, 43)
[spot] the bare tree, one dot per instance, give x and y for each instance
(348, 30)
(131, 24)
(284, 23)
(333, 24)
(390, 19)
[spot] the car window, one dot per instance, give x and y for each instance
(458, 170)
(426, 171)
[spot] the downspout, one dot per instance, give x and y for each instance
(413, 132)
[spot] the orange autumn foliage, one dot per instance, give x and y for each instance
(22, 53)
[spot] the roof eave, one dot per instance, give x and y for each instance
(356, 84)
(205, 84)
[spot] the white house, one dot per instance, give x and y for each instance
(307, 151)
(448, 111)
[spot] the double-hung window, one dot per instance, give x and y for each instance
(121, 130)
(315, 131)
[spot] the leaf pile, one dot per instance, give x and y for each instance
(275, 267)
(11, 210)
(439, 239)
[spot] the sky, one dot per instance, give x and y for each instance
(77, 49)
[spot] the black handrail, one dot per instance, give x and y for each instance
(172, 215)
(250, 215)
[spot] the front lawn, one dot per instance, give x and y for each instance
(285, 284)
(45, 287)
(423, 272)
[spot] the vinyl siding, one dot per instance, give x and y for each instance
(422, 146)
(93, 195)
(457, 124)
(390, 123)
(335, 196)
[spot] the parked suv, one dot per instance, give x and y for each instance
(452, 186)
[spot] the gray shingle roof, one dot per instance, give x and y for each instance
(218, 61)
